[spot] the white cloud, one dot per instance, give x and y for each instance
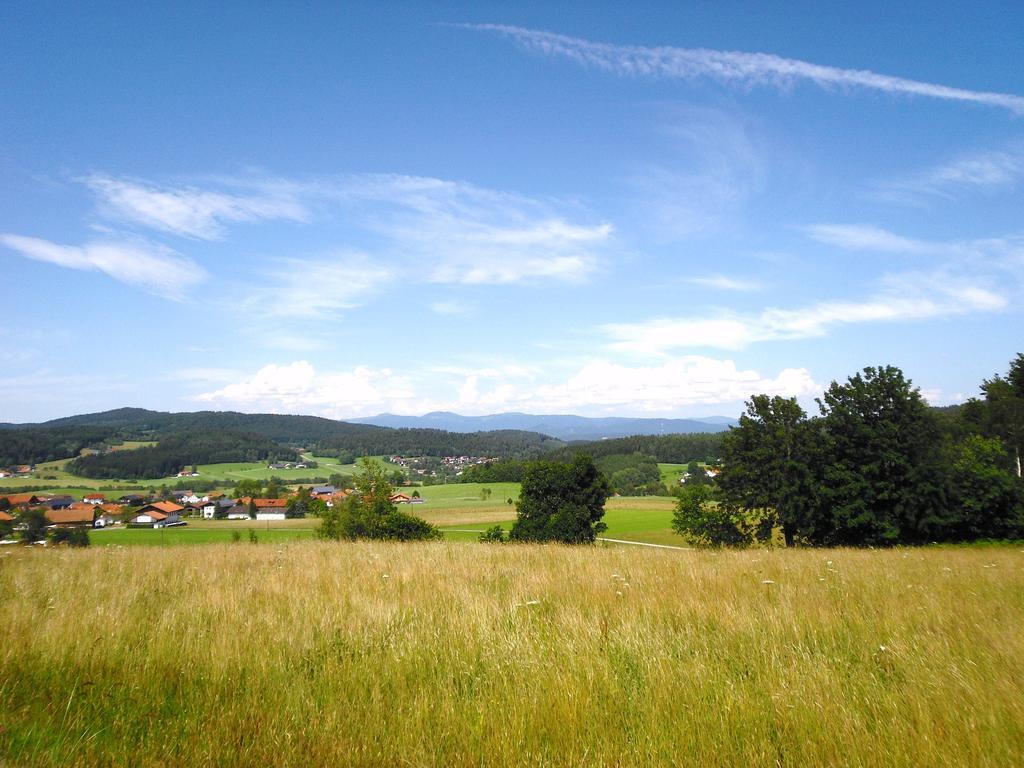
(904, 299)
(153, 267)
(317, 288)
(977, 170)
(708, 168)
(724, 283)
(599, 386)
(188, 211)
(763, 69)
(867, 237)
(450, 308)
(298, 388)
(453, 232)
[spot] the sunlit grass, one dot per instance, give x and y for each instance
(447, 654)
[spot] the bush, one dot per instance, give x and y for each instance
(71, 537)
(707, 523)
(493, 535)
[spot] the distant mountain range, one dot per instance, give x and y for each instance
(563, 427)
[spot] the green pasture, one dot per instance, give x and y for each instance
(267, 532)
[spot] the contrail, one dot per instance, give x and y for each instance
(747, 68)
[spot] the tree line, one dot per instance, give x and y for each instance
(875, 467)
(175, 452)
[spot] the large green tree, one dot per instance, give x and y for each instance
(561, 502)
(771, 466)
(1004, 398)
(884, 481)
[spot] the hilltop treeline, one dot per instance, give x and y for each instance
(513, 444)
(323, 435)
(36, 445)
(176, 452)
(669, 449)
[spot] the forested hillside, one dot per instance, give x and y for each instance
(64, 438)
(176, 452)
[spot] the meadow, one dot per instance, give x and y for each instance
(447, 654)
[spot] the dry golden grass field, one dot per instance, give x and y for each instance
(449, 654)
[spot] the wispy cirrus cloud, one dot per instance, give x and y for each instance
(155, 268)
(994, 169)
(763, 69)
(316, 287)
(454, 232)
(868, 237)
(723, 283)
(189, 211)
(906, 298)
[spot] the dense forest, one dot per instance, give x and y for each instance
(670, 449)
(511, 444)
(38, 444)
(176, 452)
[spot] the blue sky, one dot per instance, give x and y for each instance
(642, 209)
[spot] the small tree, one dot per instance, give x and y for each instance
(485, 494)
(71, 537)
(252, 509)
(33, 524)
(493, 535)
(561, 502)
(369, 513)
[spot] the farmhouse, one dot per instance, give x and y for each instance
(322, 490)
(158, 515)
(72, 516)
(401, 498)
(23, 499)
(94, 498)
(56, 502)
(238, 512)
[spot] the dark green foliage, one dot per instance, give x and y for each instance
(699, 518)
(884, 477)
(987, 499)
(632, 474)
(493, 535)
(671, 449)
(771, 463)
(34, 445)
(252, 509)
(696, 475)
(33, 525)
(878, 466)
(561, 502)
(253, 538)
(340, 481)
(368, 513)
(299, 506)
(508, 471)
(71, 537)
(177, 451)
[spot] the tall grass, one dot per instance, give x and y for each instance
(447, 654)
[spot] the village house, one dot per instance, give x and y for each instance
(157, 515)
(94, 498)
(320, 491)
(23, 500)
(238, 512)
(5, 517)
(72, 516)
(210, 507)
(56, 502)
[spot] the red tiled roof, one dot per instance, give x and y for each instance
(76, 513)
(4, 517)
(21, 498)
